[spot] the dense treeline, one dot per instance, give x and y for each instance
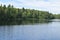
(57, 16)
(11, 13)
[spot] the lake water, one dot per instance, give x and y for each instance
(37, 31)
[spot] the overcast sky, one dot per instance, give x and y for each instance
(52, 6)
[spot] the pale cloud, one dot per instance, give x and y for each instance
(52, 6)
(46, 5)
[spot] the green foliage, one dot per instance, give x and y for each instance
(57, 16)
(11, 13)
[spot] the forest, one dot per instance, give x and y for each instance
(10, 13)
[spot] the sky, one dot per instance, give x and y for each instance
(52, 6)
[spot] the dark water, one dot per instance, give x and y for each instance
(37, 31)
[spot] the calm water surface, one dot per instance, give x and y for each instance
(39, 31)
